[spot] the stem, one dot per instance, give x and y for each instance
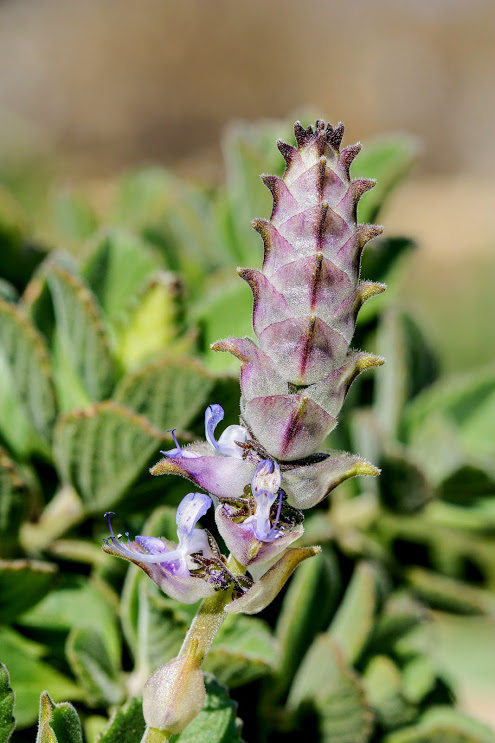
(152, 735)
(202, 632)
(210, 617)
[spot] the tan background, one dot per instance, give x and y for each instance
(110, 83)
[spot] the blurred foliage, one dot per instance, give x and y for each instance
(106, 317)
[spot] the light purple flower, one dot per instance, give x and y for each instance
(169, 564)
(262, 534)
(219, 466)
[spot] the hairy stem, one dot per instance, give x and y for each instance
(210, 617)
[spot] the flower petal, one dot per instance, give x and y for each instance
(189, 511)
(226, 444)
(222, 476)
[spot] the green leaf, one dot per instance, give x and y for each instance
(107, 271)
(174, 216)
(326, 685)
(101, 451)
(22, 584)
(126, 724)
(383, 684)
(403, 486)
(467, 403)
(418, 678)
(20, 256)
(410, 366)
(73, 216)
(84, 361)
(7, 720)
(443, 725)
(58, 723)
(153, 326)
(400, 614)
(93, 668)
(80, 603)
(29, 674)
(224, 310)
(447, 593)
(248, 151)
(467, 484)
(353, 622)
(217, 721)
(14, 497)
(170, 392)
(379, 263)
(243, 651)
(27, 401)
(306, 610)
(389, 160)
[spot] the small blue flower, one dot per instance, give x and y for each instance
(169, 564)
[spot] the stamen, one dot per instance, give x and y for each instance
(107, 516)
(172, 431)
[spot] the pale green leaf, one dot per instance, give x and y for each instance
(58, 723)
(93, 668)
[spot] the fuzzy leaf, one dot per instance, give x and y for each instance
(306, 610)
(443, 725)
(27, 401)
(29, 674)
(217, 722)
(126, 724)
(388, 160)
(93, 667)
(101, 451)
(325, 684)
(14, 497)
(243, 651)
(82, 349)
(7, 720)
(383, 684)
(58, 723)
(79, 603)
(22, 584)
(107, 271)
(353, 622)
(170, 392)
(152, 327)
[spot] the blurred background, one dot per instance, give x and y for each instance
(108, 84)
(90, 89)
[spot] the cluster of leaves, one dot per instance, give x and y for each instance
(103, 348)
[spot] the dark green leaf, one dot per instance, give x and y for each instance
(20, 256)
(217, 722)
(170, 392)
(306, 610)
(93, 668)
(80, 603)
(126, 724)
(7, 720)
(14, 497)
(467, 484)
(29, 674)
(27, 401)
(389, 160)
(243, 651)
(326, 685)
(22, 584)
(353, 622)
(403, 486)
(101, 451)
(58, 723)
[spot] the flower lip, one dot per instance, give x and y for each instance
(191, 540)
(265, 485)
(228, 442)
